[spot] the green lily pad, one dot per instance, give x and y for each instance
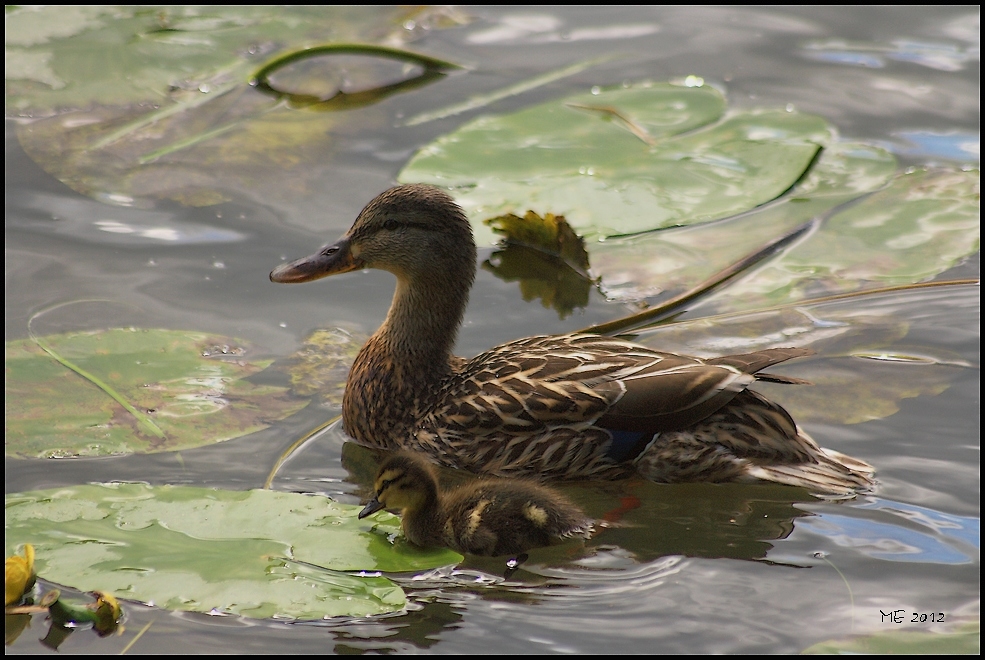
(637, 267)
(189, 386)
(865, 367)
(923, 223)
(623, 160)
(73, 57)
(963, 639)
(133, 102)
(255, 553)
(667, 157)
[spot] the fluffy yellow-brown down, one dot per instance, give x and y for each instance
(488, 517)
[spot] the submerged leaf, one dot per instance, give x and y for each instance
(923, 223)
(131, 102)
(341, 92)
(190, 384)
(256, 553)
(963, 638)
(320, 367)
(849, 386)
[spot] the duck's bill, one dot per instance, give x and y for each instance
(371, 508)
(330, 260)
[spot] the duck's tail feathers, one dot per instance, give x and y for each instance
(833, 475)
(783, 380)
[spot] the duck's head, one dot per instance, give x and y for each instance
(414, 231)
(405, 482)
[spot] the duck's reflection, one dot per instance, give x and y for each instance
(648, 520)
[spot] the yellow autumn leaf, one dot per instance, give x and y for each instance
(18, 575)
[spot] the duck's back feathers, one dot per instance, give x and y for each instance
(577, 405)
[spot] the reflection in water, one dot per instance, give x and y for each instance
(926, 535)
(541, 276)
(939, 56)
(546, 256)
(648, 521)
(608, 598)
(418, 628)
(92, 222)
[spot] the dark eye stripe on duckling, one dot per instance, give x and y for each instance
(387, 480)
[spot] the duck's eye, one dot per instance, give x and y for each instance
(390, 224)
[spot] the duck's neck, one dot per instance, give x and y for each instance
(422, 324)
(404, 363)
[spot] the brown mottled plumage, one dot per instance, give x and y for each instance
(555, 407)
(487, 517)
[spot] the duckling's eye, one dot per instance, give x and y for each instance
(386, 484)
(390, 224)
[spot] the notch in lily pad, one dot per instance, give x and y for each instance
(336, 91)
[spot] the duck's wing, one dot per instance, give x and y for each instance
(578, 380)
(754, 363)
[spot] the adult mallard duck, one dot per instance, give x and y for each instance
(487, 517)
(555, 407)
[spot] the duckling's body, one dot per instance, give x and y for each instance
(558, 407)
(489, 517)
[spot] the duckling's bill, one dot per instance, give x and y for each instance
(372, 507)
(330, 260)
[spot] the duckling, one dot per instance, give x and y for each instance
(489, 517)
(571, 406)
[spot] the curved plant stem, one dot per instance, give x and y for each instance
(841, 296)
(851, 596)
(289, 452)
(143, 421)
(678, 304)
(136, 637)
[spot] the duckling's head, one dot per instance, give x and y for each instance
(415, 231)
(405, 482)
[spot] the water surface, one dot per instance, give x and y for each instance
(693, 569)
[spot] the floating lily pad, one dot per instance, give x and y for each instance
(638, 267)
(923, 223)
(963, 638)
(255, 553)
(133, 102)
(623, 160)
(669, 157)
(189, 386)
(866, 365)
